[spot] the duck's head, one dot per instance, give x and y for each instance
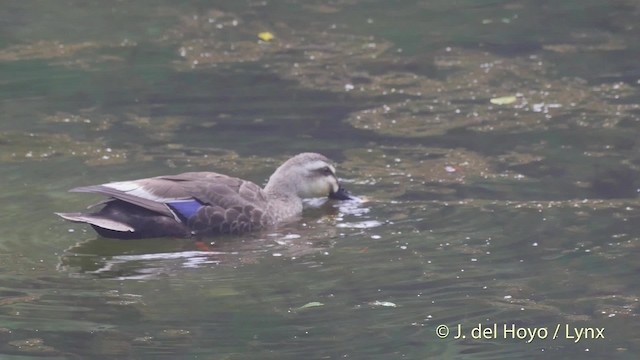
(308, 175)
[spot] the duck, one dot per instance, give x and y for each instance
(197, 204)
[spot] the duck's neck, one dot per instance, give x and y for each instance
(283, 207)
(284, 204)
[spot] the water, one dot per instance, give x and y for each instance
(494, 144)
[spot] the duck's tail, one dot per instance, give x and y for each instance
(96, 220)
(121, 220)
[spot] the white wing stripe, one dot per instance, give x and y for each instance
(124, 186)
(131, 188)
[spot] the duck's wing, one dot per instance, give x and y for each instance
(221, 204)
(180, 196)
(151, 194)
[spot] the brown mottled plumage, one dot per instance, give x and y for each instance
(208, 203)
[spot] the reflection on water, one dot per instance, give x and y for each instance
(141, 266)
(496, 161)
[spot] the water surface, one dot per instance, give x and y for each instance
(495, 144)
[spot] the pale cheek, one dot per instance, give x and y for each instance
(320, 188)
(323, 189)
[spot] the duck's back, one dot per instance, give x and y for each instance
(211, 187)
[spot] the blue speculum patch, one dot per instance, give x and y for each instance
(185, 208)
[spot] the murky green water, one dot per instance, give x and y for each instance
(496, 143)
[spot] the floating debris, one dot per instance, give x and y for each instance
(383, 303)
(504, 100)
(266, 36)
(32, 345)
(18, 299)
(44, 50)
(311, 305)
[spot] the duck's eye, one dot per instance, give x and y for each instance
(326, 171)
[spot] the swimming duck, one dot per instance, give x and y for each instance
(195, 204)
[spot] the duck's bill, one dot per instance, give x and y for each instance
(341, 194)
